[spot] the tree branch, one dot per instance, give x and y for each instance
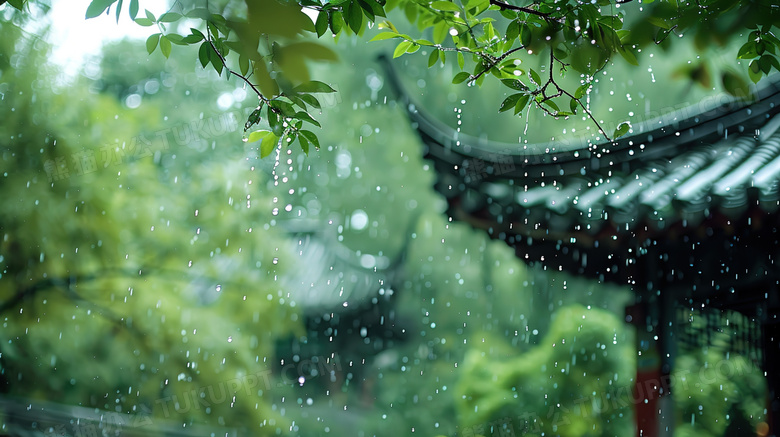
(241, 76)
(666, 34)
(493, 61)
(504, 5)
(560, 92)
(590, 114)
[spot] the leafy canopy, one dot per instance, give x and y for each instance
(267, 44)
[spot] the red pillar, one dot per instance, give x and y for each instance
(647, 388)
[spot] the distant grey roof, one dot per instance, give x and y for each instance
(325, 276)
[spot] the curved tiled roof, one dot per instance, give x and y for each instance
(690, 197)
(725, 158)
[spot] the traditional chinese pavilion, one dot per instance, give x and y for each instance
(685, 210)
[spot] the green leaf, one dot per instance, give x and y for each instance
(510, 102)
(535, 77)
(552, 105)
(386, 24)
(189, 39)
(203, 54)
(150, 15)
(151, 42)
(297, 101)
(269, 143)
(760, 47)
(118, 10)
(304, 144)
(97, 7)
(373, 8)
(243, 64)
(442, 5)
(355, 17)
(366, 9)
(514, 84)
(522, 102)
(262, 77)
(144, 22)
(509, 14)
(273, 121)
(773, 61)
(321, 25)
(308, 49)
(292, 63)
(628, 55)
(754, 71)
(461, 60)
(198, 33)
(212, 28)
(765, 63)
(384, 35)
(460, 77)
(199, 13)
(621, 130)
(257, 135)
(336, 22)
(433, 58)
(573, 105)
(18, 4)
(512, 30)
(479, 5)
(658, 22)
(580, 93)
(306, 117)
(734, 85)
(216, 61)
(771, 39)
(311, 137)
(613, 21)
(440, 32)
(133, 9)
(410, 10)
(285, 107)
(253, 118)
(311, 100)
(747, 51)
(525, 35)
(177, 39)
(314, 86)
(165, 46)
(490, 31)
(401, 48)
(169, 17)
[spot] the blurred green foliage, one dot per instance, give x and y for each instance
(112, 266)
(562, 385)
